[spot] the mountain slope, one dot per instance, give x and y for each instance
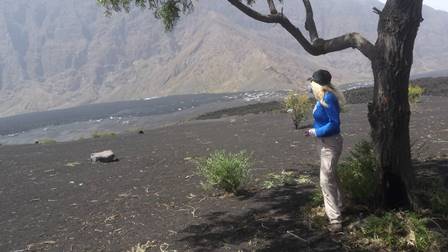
(62, 53)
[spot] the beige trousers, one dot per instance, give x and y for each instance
(330, 151)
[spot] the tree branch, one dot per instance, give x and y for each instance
(321, 46)
(255, 14)
(310, 25)
(376, 11)
(272, 8)
(318, 46)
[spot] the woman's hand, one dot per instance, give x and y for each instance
(310, 132)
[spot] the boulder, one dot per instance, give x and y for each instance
(103, 156)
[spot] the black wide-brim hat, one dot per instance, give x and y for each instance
(321, 77)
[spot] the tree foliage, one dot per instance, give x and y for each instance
(168, 11)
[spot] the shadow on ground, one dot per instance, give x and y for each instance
(275, 226)
(433, 168)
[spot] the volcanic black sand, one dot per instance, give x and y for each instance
(53, 199)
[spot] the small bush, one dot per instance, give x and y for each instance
(398, 231)
(100, 134)
(226, 171)
(299, 105)
(439, 202)
(415, 92)
(46, 141)
(386, 229)
(357, 174)
(314, 217)
(313, 212)
(433, 195)
(418, 233)
(317, 198)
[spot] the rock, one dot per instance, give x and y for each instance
(104, 156)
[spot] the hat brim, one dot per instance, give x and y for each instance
(321, 84)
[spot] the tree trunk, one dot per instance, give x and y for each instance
(389, 112)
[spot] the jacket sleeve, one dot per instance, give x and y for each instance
(332, 111)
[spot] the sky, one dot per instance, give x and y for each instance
(436, 4)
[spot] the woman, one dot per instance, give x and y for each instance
(327, 130)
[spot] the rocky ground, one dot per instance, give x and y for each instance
(53, 199)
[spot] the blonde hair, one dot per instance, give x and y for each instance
(319, 92)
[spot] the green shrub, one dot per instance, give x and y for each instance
(415, 92)
(418, 233)
(438, 197)
(399, 231)
(46, 141)
(100, 134)
(433, 194)
(226, 171)
(317, 198)
(299, 105)
(387, 229)
(357, 174)
(439, 201)
(313, 212)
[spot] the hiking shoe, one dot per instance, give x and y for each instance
(335, 228)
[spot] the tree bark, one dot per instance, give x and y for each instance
(389, 112)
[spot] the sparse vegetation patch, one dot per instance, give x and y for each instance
(357, 174)
(299, 105)
(224, 170)
(46, 141)
(101, 134)
(285, 178)
(415, 92)
(396, 231)
(434, 196)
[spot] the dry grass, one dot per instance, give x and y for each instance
(143, 247)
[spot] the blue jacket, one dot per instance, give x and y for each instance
(326, 119)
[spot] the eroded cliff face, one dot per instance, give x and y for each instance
(62, 53)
